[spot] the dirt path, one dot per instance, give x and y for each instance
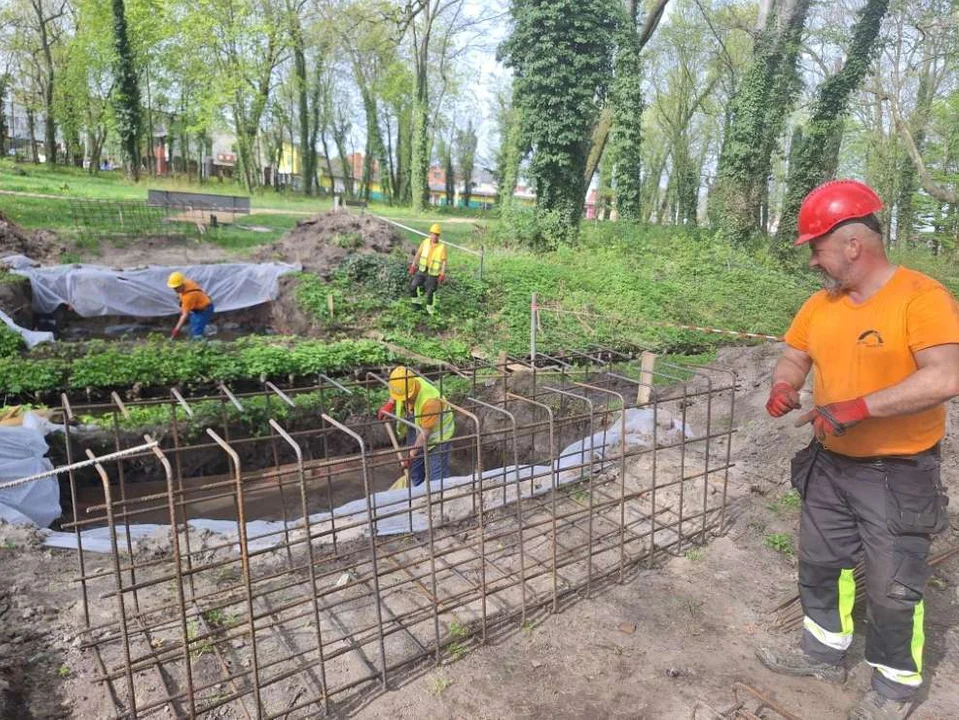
(668, 643)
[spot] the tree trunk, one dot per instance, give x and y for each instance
(764, 99)
(817, 156)
(32, 127)
(127, 94)
(307, 151)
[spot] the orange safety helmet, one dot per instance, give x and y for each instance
(832, 203)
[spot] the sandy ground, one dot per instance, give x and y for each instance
(669, 643)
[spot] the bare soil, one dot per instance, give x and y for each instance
(160, 250)
(320, 243)
(669, 643)
(39, 245)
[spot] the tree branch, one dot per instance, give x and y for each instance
(928, 184)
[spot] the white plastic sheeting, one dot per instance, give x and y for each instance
(93, 290)
(263, 534)
(31, 337)
(22, 454)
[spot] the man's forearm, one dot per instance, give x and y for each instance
(789, 371)
(924, 389)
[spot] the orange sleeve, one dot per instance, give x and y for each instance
(798, 334)
(430, 417)
(932, 318)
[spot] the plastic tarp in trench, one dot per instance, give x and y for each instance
(22, 451)
(94, 290)
(264, 534)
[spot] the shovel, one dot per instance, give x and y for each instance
(403, 481)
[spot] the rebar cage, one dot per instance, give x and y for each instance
(320, 587)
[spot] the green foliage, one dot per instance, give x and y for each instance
(102, 365)
(560, 52)
(781, 543)
(10, 342)
(786, 503)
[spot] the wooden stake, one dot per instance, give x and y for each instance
(647, 363)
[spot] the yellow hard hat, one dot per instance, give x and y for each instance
(435, 228)
(403, 384)
(175, 280)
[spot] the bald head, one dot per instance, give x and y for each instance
(851, 255)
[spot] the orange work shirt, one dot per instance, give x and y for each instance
(859, 349)
(193, 298)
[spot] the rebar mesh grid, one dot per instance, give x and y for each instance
(315, 612)
(134, 219)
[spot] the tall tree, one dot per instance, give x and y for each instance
(430, 24)
(817, 155)
(126, 93)
(764, 99)
(466, 143)
(561, 54)
(627, 107)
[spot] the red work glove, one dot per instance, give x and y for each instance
(783, 398)
(388, 407)
(405, 463)
(442, 279)
(835, 418)
(412, 270)
(174, 334)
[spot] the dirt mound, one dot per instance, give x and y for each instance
(322, 242)
(14, 240)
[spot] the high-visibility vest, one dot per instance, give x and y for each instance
(447, 425)
(430, 258)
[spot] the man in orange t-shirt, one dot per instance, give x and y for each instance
(883, 342)
(195, 306)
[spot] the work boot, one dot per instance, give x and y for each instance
(794, 661)
(429, 309)
(875, 706)
(417, 300)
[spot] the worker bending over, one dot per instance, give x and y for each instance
(428, 268)
(884, 343)
(195, 305)
(419, 402)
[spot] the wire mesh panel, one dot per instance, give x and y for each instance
(130, 219)
(281, 576)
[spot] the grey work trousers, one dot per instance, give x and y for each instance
(883, 510)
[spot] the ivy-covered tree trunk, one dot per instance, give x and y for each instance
(509, 155)
(561, 54)
(762, 103)
(126, 93)
(420, 157)
(465, 147)
(307, 148)
(908, 177)
(627, 104)
(816, 158)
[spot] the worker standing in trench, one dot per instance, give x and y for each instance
(884, 343)
(195, 306)
(428, 268)
(420, 402)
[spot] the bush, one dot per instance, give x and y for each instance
(10, 342)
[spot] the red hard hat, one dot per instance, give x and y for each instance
(832, 203)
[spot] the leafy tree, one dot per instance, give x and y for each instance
(561, 54)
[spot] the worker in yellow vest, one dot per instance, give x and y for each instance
(418, 401)
(428, 268)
